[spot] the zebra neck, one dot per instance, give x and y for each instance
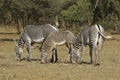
(77, 45)
(21, 42)
(77, 42)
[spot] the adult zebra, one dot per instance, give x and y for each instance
(30, 35)
(94, 37)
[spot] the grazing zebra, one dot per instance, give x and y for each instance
(56, 39)
(94, 37)
(33, 34)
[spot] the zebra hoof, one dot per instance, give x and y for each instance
(19, 60)
(24, 58)
(52, 61)
(81, 62)
(97, 64)
(73, 62)
(91, 62)
(42, 61)
(56, 60)
(28, 59)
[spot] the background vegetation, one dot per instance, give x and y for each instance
(69, 13)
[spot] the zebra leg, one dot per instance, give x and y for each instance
(90, 53)
(29, 52)
(69, 47)
(100, 45)
(54, 57)
(96, 55)
(98, 58)
(81, 54)
(52, 60)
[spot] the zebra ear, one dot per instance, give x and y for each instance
(15, 41)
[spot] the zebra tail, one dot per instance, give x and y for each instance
(105, 37)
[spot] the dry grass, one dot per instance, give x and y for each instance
(12, 70)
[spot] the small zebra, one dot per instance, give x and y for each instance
(56, 39)
(30, 35)
(93, 37)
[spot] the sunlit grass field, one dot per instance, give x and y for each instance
(10, 69)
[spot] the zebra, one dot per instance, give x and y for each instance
(94, 37)
(56, 39)
(30, 35)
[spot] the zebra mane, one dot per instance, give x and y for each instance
(53, 27)
(77, 43)
(77, 37)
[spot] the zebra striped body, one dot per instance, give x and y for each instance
(33, 34)
(92, 36)
(56, 39)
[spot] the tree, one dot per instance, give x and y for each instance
(80, 12)
(71, 13)
(108, 13)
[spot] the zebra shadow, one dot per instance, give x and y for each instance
(68, 62)
(84, 62)
(33, 59)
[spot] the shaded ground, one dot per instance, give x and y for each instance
(10, 69)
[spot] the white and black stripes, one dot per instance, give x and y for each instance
(21, 42)
(77, 43)
(99, 30)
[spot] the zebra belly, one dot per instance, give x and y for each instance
(38, 40)
(59, 43)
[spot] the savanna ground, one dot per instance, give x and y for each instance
(10, 69)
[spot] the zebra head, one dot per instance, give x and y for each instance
(74, 55)
(18, 50)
